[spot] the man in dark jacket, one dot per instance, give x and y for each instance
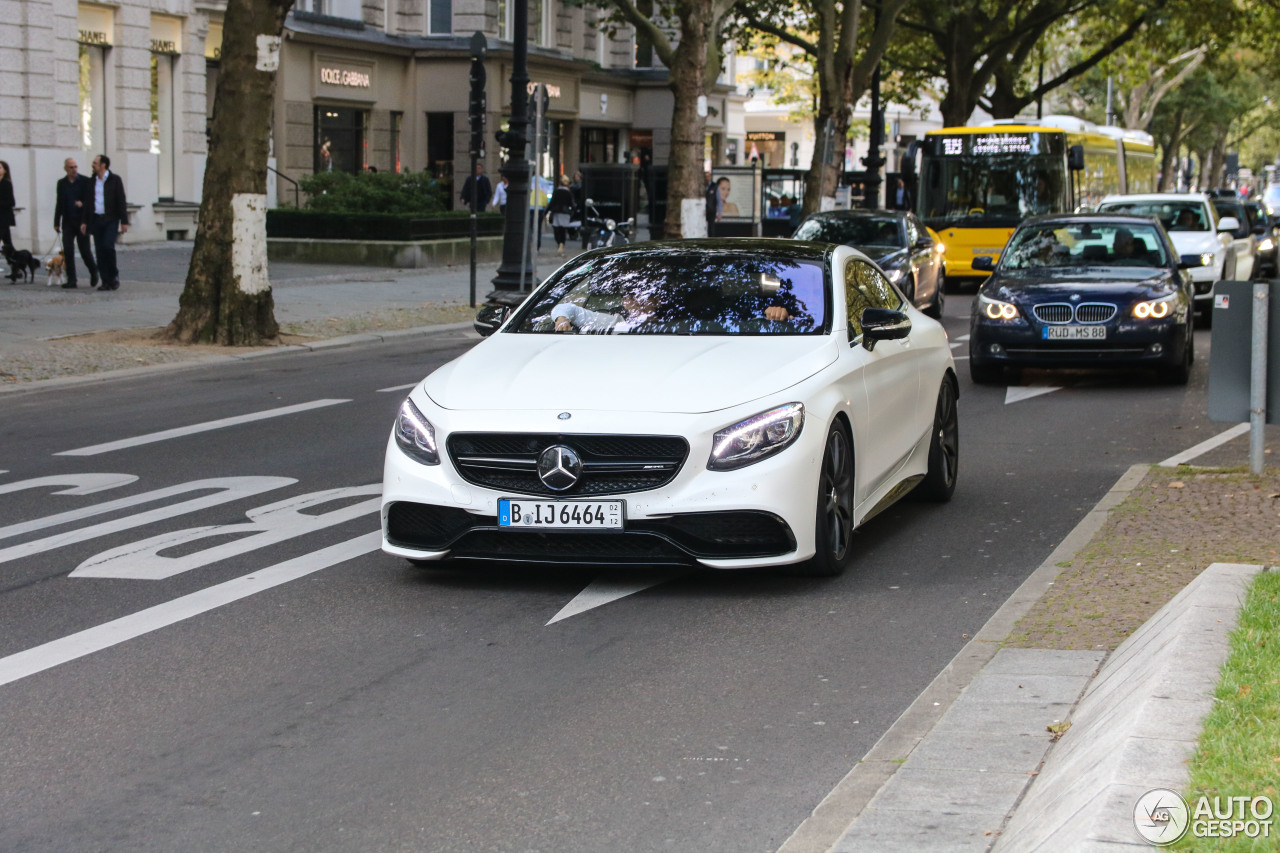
(110, 217)
(478, 184)
(72, 208)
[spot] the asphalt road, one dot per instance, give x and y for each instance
(305, 692)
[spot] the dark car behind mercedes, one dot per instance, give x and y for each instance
(1085, 291)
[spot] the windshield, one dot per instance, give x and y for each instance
(1086, 245)
(858, 231)
(994, 180)
(682, 293)
(1175, 215)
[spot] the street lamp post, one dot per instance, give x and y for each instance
(513, 277)
(873, 161)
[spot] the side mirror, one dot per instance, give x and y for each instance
(489, 318)
(1075, 158)
(984, 263)
(1190, 262)
(924, 243)
(882, 324)
(1228, 223)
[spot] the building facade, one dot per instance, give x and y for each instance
(362, 83)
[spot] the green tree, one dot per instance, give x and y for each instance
(826, 39)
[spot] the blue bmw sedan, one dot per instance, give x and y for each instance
(1085, 291)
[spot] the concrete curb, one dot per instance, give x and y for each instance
(1136, 725)
(346, 341)
(824, 827)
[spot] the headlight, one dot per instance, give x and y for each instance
(610, 224)
(1155, 309)
(415, 435)
(939, 248)
(1266, 245)
(894, 276)
(756, 438)
(994, 309)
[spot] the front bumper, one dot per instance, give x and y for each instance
(1128, 344)
(759, 515)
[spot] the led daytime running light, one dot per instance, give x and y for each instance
(997, 310)
(756, 437)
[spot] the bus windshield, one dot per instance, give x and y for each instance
(992, 181)
(991, 192)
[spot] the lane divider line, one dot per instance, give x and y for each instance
(399, 387)
(193, 429)
(117, 631)
(1204, 446)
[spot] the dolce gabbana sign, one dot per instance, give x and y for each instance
(345, 79)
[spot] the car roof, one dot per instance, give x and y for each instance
(1094, 218)
(796, 250)
(1170, 197)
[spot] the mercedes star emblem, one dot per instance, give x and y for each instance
(559, 467)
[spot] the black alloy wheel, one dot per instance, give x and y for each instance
(833, 529)
(944, 449)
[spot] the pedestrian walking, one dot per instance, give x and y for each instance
(72, 208)
(500, 194)
(561, 210)
(7, 204)
(110, 219)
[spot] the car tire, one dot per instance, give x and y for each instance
(833, 525)
(939, 482)
(1181, 373)
(934, 308)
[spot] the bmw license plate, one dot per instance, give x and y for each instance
(562, 515)
(1075, 333)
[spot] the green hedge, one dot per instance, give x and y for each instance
(311, 225)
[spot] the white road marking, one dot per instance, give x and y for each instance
(227, 489)
(959, 358)
(178, 432)
(268, 525)
(605, 590)
(1204, 446)
(399, 387)
(957, 344)
(81, 484)
(1017, 393)
(963, 338)
(78, 645)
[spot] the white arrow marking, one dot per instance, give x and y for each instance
(1017, 393)
(164, 435)
(963, 338)
(604, 590)
(81, 484)
(113, 633)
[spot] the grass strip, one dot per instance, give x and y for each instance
(1239, 748)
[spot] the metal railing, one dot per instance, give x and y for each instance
(296, 196)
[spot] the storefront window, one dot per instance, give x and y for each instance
(440, 142)
(598, 145)
(504, 22)
(93, 98)
(342, 139)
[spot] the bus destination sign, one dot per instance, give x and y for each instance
(987, 145)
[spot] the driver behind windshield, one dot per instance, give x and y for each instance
(639, 309)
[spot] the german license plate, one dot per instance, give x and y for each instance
(1075, 333)
(560, 515)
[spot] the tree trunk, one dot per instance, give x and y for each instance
(687, 76)
(227, 298)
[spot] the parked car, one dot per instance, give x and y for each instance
(729, 403)
(1194, 226)
(908, 252)
(1266, 226)
(1085, 291)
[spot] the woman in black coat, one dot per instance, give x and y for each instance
(6, 208)
(561, 210)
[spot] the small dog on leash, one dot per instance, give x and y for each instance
(56, 267)
(23, 265)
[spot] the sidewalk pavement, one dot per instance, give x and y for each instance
(946, 776)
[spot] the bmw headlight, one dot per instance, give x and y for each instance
(1156, 309)
(1266, 245)
(994, 309)
(415, 435)
(758, 437)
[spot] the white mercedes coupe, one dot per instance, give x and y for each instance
(728, 403)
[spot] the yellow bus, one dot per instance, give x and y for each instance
(976, 184)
